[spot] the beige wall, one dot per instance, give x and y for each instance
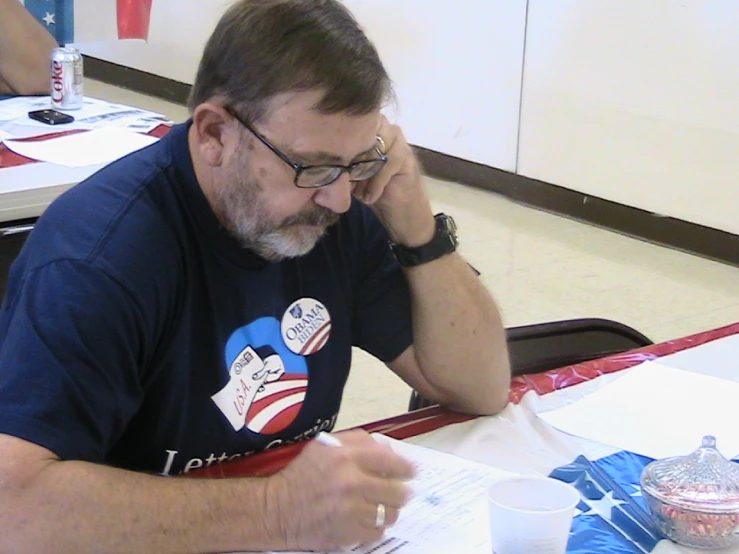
(636, 102)
(627, 100)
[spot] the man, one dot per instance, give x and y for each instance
(197, 301)
(25, 52)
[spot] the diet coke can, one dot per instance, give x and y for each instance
(66, 79)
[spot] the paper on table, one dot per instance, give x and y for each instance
(94, 114)
(83, 149)
(93, 110)
(448, 511)
(19, 106)
(717, 358)
(138, 124)
(4, 135)
(656, 411)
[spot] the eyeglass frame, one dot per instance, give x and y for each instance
(299, 169)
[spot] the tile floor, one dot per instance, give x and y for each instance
(541, 267)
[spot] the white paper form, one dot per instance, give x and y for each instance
(19, 106)
(94, 114)
(657, 411)
(719, 358)
(448, 511)
(83, 149)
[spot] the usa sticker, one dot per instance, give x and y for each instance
(246, 376)
(306, 326)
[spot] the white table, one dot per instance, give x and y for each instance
(517, 440)
(27, 190)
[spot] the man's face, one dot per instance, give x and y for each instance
(257, 200)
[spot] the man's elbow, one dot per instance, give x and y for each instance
(491, 399)
(37, 80)
(26, 80)
(484, 403)
(495, 402)
(33, 74)
(33, 86)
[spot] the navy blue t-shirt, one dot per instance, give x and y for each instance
(138, 333)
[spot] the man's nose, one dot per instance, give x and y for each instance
(337, 196)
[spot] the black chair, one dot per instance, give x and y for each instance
(12, 237)
(544, 346)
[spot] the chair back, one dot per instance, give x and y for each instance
(553, 344)
(544, 346)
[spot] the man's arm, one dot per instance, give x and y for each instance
(459, 355)
(25, 51)
(325, 500)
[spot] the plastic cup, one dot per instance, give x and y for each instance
(531, 514)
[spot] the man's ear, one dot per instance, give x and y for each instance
(212, 127)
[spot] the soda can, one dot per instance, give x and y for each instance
(66, 79)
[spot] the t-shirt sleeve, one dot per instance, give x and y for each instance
(71, 345)
(381, 322)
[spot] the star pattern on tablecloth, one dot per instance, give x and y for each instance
(49, 19)
(603, 506)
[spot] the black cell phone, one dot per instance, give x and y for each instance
(51, 117)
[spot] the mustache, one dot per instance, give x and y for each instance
(319, 217)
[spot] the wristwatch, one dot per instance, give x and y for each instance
(443, 242)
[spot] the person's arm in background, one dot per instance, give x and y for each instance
(25, 51)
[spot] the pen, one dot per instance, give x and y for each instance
(327, 439)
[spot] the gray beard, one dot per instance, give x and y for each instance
(238, 208)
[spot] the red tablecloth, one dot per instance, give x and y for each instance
(428, 419)
(8, 158)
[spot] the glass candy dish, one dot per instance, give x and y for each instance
(694, 499)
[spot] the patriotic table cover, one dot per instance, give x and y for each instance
(8, 158)
(610, 517)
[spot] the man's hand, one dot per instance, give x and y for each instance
(328, 497)
(396, 193)
(459, 355)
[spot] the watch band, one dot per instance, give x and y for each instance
(443, 242)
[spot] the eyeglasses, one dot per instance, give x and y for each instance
(315, 176)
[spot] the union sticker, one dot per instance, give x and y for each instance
(306, 326)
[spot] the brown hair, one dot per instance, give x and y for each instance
(261, 48)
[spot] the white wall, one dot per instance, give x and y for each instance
(456, 66)
(457, 71)
(177, 36)
(629, 100)
(636, 101)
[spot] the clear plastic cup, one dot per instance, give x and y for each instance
(531, 514)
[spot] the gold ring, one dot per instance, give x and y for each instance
(380, 517)
(382, 144)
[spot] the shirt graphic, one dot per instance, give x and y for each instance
(267, 381)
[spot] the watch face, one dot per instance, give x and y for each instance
(446, 223)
